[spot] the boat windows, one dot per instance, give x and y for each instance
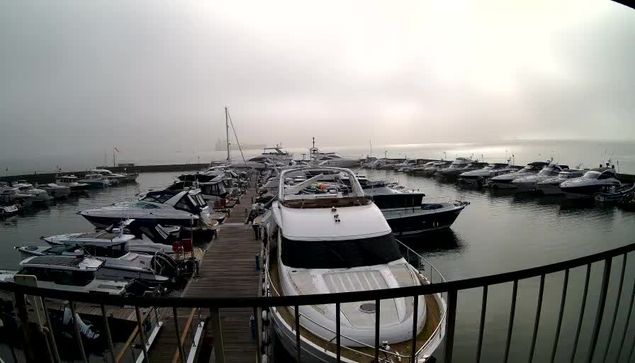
(340, 254)
(184, 205)
(591, 175)
(110, 251)
(60, 277)
(606, 176)
(144, 205)
(158, 198)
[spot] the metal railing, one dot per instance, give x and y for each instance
(614, 340)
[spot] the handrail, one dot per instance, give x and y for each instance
(342, 297)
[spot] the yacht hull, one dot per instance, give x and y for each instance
(411, 222)
(549, 189)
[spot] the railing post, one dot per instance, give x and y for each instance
(481, 328)
(337, 332)
(415, 318)
(541, 292)
(77, 332)
(142, 335)
(451, 323)
(627, 321)
(178, 334)
(563, 300)
(23, 317)
(108, 336)
(600, 311)
(217, 331)
(512, 314)
(582, 310)
(617, 308)
(298, 347)
(50, 334)
(377, 321)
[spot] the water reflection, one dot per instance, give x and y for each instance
(434, 241)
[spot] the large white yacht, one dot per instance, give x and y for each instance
(593, 181)
(505, 181)
(67, 273)
(187, 209)
(551, 185)
(528, 183)
(480, 176)
(337, 240)
(277, 153)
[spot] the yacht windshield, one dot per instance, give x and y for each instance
(591, 175)
(340, 254)
(546, 172)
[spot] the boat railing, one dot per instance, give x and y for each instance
(592, 291)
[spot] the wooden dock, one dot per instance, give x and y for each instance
(228, 268)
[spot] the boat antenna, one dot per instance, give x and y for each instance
(371, 146)
(227, 133)
(235, 136)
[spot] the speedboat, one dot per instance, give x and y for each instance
(72, 182)
(11, 195)
(277, 153)
(39, 195)
(528, 183)
(66, 273)
(335, 160)
(458, 167)
(593, 181)
(337, 240)
(186, 209)
(8, 211)
(431, 168)
(119, 263)
(505, 181)
(211, 191)
(120, 178)
(407, 214)
(56, 191)
(480, 176)
(96, 180)
(551, 185)
(405, 166)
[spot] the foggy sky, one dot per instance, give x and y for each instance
(81, 76)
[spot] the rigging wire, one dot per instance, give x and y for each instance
(236, 136)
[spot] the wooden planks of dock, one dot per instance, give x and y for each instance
(228, 268)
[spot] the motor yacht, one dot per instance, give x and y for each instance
(56, 191)
(11, 196)
(432, 168)
(336, 160)
(66, 273)
(211, 191)
(405, 166)
(529, 183)
(96, 180)
(406, 212)
(72, 182)
(120, 178)
(505, 181)
(480, 176)
(337, 240)
(205, 175)
(186, 209)
(551, 185)
(458, 167)
(277, 153)
(593, 181)
(40, 196)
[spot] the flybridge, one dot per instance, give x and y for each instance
(318, 183)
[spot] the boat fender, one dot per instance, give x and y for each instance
(263, 359)
(265, 338)
(265, 316)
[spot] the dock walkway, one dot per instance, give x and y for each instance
(228, 269)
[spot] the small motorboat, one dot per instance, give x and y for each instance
(615, 194)
(9, 211)
(96, 180)
(39, 195)
(56, 191)
(72, 182)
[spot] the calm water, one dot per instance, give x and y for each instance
(496, 233)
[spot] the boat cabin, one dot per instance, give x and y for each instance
(61, 270)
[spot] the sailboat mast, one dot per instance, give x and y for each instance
(227, 133)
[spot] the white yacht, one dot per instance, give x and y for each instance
(211, 191)
(551, 185)
(593, 181)
(11, 195)
(505, 181)
(67, 273)
(528, 183)
(480, 176)
(431, 168)
(72, 182)
(119, 263)
(56, 191)
(95, 180)
(39, 195)
(337, 240)
(277, 153)
(335, 160)
(118, 177)
(187, 209)
(405, 166)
